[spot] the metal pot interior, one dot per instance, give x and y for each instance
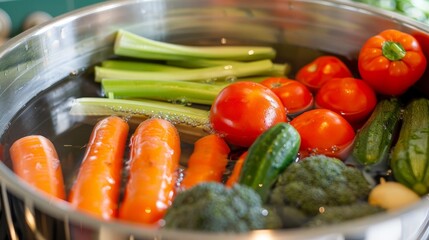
(44, 69)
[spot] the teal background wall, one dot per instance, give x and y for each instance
(18, 10)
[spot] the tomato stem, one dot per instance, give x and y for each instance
(393, 51)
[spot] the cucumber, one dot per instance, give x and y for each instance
(374, 140)
(410, 156)
(268, 156)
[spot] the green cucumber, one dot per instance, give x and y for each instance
(268, 156)
(374, 140)
(410, 156)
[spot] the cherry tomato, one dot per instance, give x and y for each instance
(391, 62)
(295, 96)
(243, 110)
(350, 97)
(323, 68)
(324, 131)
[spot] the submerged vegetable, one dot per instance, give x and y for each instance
(271, 153)
(375, 139)
(132, 45)
(392, 196)
(317, 127)
(214, 207)
(97, 186)
(318, 182)
(322, 69)
(391, 62)
(410, 156)
(154, 159)
(352, 98)
(207, 162)
(244, 110)
(35, 160)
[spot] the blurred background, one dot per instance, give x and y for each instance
(19, 15)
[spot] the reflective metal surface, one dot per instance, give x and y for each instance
(42, 70)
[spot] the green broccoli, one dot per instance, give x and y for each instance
(216, 208)
(281, 217)
(337, 214)
(319, 181)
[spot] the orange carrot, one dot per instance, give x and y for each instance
(207, 162)
(35, 160)
(154, 160)
(233, 178)
(97, 186)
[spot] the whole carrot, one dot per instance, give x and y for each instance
(207, 162)
(97, 186)
(35, 160)
(154, 160)
(233, 178)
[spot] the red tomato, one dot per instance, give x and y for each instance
(243, 110)
(391, 62)
(323, 68)
(352, 98)
(324, 131)
(295, 96)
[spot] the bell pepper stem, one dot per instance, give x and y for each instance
(393, 51)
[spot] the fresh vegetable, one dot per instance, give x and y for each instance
(214, 207)
(277, 69)
(243, 110)
(132, 45)
(192, 123)
(323, 131)
(35, 160)
(410, 158)
(391, 62)
(172, 91)
(207, 162)
(97, 186)
(416, 9)
(208, 74)
(295, 96)
(337, 214)
(139, 66)
(374, 140)
(282, 216)
(233, 178)
(392, 196)
(271, 153)
(318, 182)
(322, 69)
(154, 159)
(350, 97)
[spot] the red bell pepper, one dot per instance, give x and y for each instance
(391, 62)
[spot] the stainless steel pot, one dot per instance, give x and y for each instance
(44, 69)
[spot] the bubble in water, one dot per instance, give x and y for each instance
(230, 79)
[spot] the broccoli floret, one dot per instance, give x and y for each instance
(280, 217)
(216, 208)
(319, 181)
(337, 214)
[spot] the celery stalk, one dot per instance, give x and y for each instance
(176, 113)
(199, 74)
(277, 69)
(191, 123)
(133, 45)
(138, 66)
(172, 91)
